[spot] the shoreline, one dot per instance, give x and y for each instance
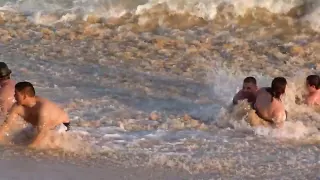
(15, 165)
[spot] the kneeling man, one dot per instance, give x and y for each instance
(41, 113)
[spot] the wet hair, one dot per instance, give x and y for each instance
(314, 80)
(5, 77)
(250, 80)
(25, 88)
(278, 87)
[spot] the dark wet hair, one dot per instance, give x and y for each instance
(5, 72)
(314, 80)
(25, 88)
(250, 80)
(278, 87)
(5, 77)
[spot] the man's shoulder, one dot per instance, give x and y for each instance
(44, 101)
(16, 108)
(261, 90)
(240, 92)
(317, 99)
(311, 98)
(317, 94)
(47, 104)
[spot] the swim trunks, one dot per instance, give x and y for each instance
(67, 125)
(64, 127)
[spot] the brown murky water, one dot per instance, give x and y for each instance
(151, 84)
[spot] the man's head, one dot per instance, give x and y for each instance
(249, 85)
(4, 71)
(24, 91)
(313, 83)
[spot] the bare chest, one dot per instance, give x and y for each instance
(32, 116)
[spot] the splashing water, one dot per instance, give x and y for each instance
(151, 82)
(51, 12)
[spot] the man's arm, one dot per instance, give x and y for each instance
(237, 97)
(6, 126)
(42, 129)
(279, 117)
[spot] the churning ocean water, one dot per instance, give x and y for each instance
(150, 83)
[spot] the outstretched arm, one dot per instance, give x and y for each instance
(237, 97)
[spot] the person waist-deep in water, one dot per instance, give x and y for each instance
(248, 91)
(313, 88)
(41, 113)
(269, 109)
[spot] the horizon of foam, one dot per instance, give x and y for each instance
(207, 9)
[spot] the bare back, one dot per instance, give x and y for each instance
(6, 95)
(44, 112)
(269, 107)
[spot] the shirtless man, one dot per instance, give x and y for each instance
(41, 113)
(313, 87)
(269, 109)
(248, 91)
(6, 88)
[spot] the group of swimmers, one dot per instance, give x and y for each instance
(20, 100)
(267, 107)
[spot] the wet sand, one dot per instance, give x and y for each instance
(24, 168)
(32, 166)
